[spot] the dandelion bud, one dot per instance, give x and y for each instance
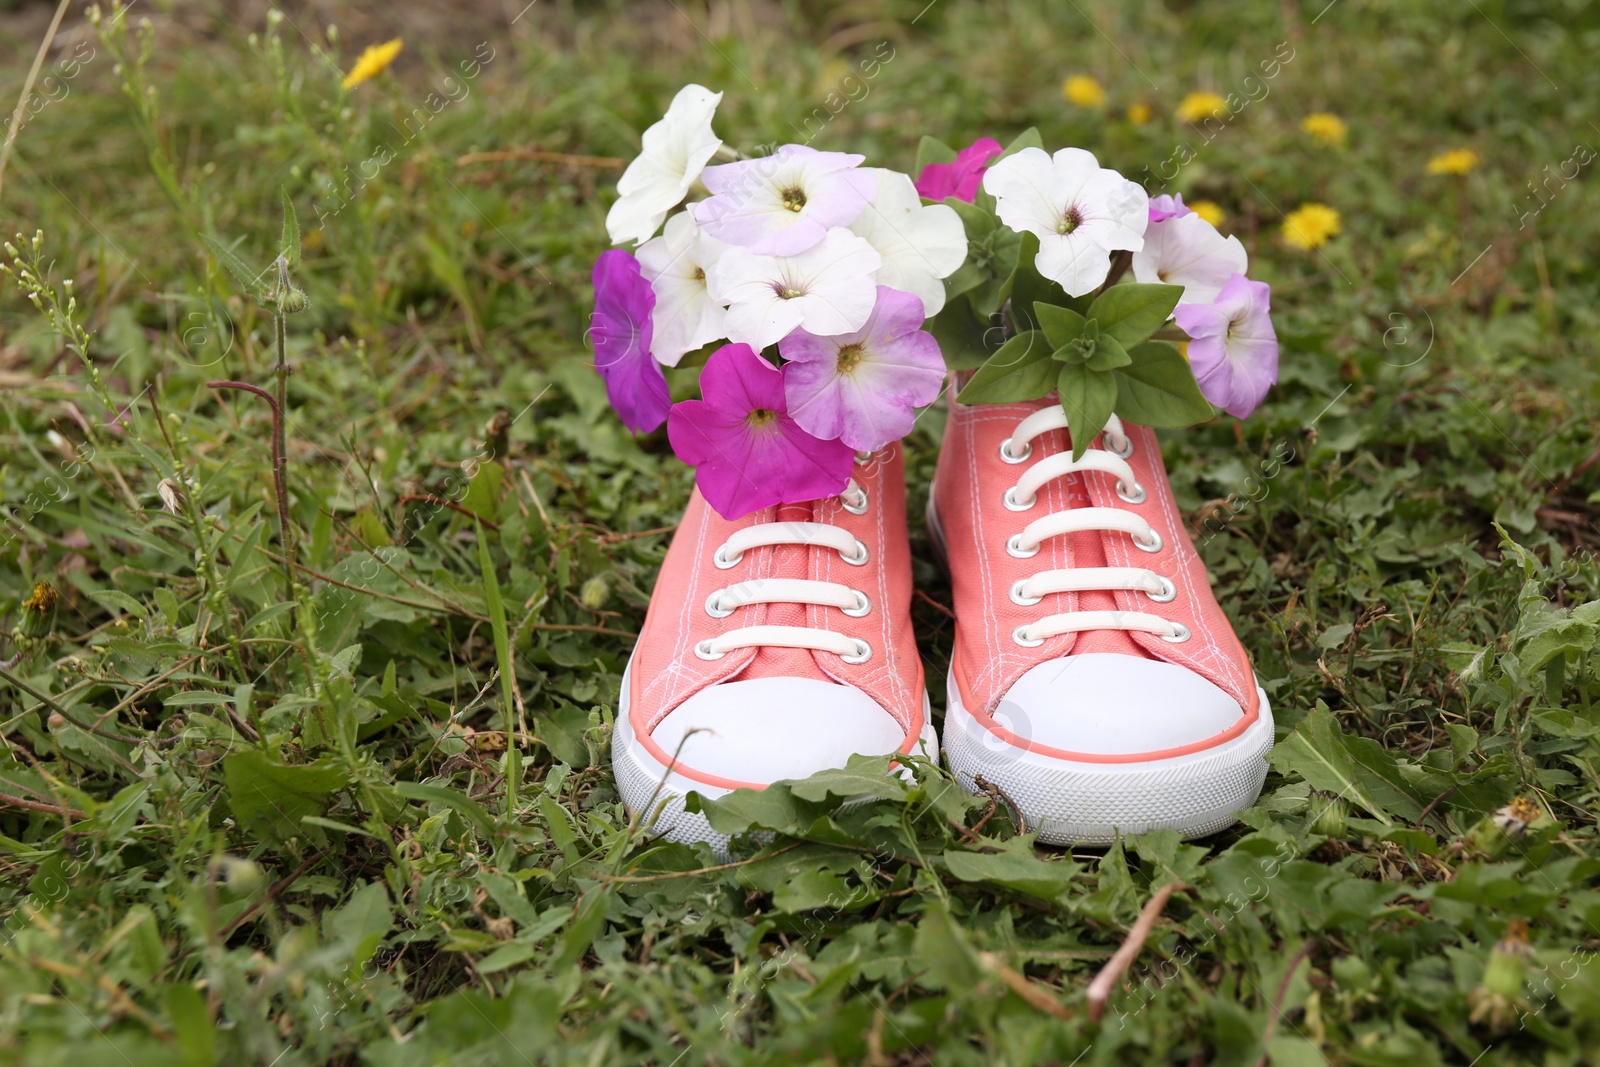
(241, 875)
(171, 495)
(1496, 1001)
(55, 722)
(594, 593)
(39, 611)
(1495, 834)
(292, 301)
(1332, 815)
(333, 34)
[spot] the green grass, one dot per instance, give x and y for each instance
(379, 825)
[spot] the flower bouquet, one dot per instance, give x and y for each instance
(826, 301)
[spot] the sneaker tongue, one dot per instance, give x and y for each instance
(788, 561)
(1088, 550)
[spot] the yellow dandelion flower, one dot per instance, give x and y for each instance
(1197, 107)
(1455, 161)
(1310, 225)
(1324, 128)
(1083, 91)
(1209, 210)
(373, 62)
(1139, 113)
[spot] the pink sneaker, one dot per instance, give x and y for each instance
(1094, 679)
(776, 646)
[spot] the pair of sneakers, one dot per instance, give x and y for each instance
(1094, 679)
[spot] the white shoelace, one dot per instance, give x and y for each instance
(853, 602)
(1024, 496)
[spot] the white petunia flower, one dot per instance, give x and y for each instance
(782, 204)
(1187, 250)
(675, 151)
(1079, 210)
(919, 244)
(828, 289)
(675, 264)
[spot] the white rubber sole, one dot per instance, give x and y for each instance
(1070, 802)
(656, 793)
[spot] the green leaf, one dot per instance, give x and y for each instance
(1059, 324)
(1021, 370)
(116, 598)
(192, 1024)
(277, 795)
(235, 266)
(1017, 866)
(1088, 397)
(497, 622)
(1028, 138)
(289, 239)
(933, 150)
(1108, 355)
(1317, 752)
(941, 945)
(450, 798)
(1130, 313)
(964, 339)
(1158, 388)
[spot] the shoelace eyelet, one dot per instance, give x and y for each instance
(862, 654)
(1134, 495)
(1023, 637)
(1017, 596)
(1153, 545)
(1122, 451)
(714, 606)
(1013, 504)
(1014, 548)
(1015, 457)
(724, 561)
(1180, 634)
(1168, 592)
(705, 651)
(863, 605)
(856, 504)
(860, 558)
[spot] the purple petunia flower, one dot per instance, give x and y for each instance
(961, 177)
(783, 204)
(621, 330)
(747, 452)
(863, 387)
(1233, 349)
(1165, 207)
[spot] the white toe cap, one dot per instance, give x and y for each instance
(1109, 704)
(768, 729)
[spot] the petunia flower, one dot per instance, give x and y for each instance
(782, 204)
(1166, 207)
(961, 177)
(1233, 349)
(863, 387)
(828, 289)
(675, 265)
(746, 451)
(675, 151)
(1187, 250)
(373, 61)
(920, 244)
(621, 331)
(1079, 210)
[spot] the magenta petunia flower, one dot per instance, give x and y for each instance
(960, 178)
(621, 330)
(1233, 349)
(746, 451)
(864, 387)
(1166, 207)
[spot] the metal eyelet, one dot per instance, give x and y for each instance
(862, 654)
(1152, 545)
(1017, 596)
(724, 561)
(864, 457)
(1135, 495)
(863, 605)
(860, 558)
(1015, 549)
(1168, 591)
(857, 504)
(714, 606)
(1122, 451)
(1022, 637)
(1013, 504)
(704, 650)
(1009, 457)
(1180, 634)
